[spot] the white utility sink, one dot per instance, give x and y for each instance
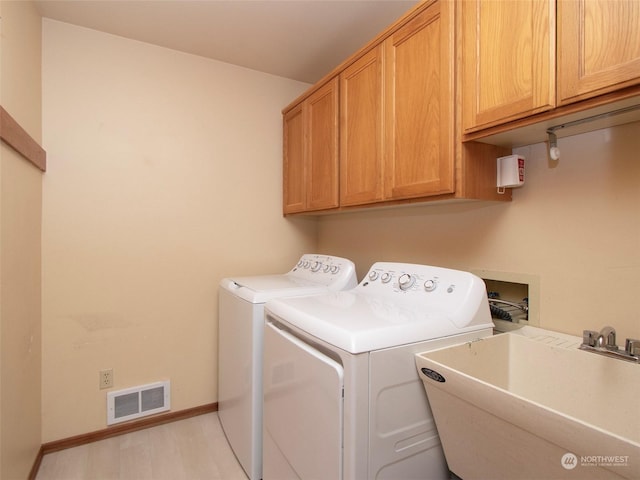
(529, 405)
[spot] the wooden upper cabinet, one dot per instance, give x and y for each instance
(598, 47)
(396, 114)
(419, 135)
(397, 121)
(508, 60)
(361, 135)
(294, 178)
(310, 168)
(322, 142)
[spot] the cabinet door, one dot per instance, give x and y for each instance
(293, 161)
(508, 60)
(418, 106)
(322, 144)
(361, 97)
(598, 47)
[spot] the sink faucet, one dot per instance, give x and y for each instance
(604, 343)
(607, 339)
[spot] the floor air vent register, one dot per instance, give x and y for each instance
(136, 402)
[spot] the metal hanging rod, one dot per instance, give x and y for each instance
(554, 151)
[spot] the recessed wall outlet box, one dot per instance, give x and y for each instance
(510, 171)
(136, 402)
(514, 287)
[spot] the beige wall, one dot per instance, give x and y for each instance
(575, 226)
(164, 176)
(20, 221)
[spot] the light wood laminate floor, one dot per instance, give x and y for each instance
(191, 449)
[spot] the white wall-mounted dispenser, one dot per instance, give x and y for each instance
(510, 172)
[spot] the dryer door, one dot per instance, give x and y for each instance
(303, 411)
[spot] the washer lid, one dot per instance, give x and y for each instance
(259, 289)
(357, 322)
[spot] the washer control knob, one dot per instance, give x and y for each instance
(406, 281)
(306, 264)
(335, 269)
(386, 277)
(373, 275)
(430, 285)
(327, 268)
(316, 266)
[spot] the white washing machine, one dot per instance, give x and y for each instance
(342, 397)
(240, 344)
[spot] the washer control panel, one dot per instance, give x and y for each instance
(325, 269)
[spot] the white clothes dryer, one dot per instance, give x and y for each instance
(342, 397)
(240, 344)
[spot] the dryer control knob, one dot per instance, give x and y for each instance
(373, 275)
(335, 269)
(316, 266)
(430, 285)
(327, 268)
(386, 277)
(406, 281)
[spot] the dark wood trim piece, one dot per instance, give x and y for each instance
(127, 427)
(17, 138)
(36, 464)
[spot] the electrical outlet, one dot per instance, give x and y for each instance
(106, 378)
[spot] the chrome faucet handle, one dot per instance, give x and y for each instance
(607, 338)
(589, 338)
(632, 346)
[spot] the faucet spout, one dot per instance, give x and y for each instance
(607, 339)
